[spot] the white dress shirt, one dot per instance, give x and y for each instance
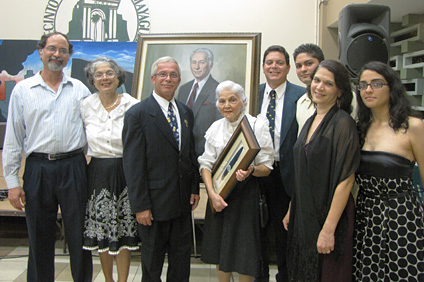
(43, 121)
(279, 103)
(199, 88)
(304, 110)
(103, 129)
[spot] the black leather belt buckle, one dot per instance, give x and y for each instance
(56, 156)
(53, 157)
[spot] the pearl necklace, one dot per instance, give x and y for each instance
(113, 105)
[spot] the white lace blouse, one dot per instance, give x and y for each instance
(220, 132)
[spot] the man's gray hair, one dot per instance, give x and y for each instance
(166, 59)
(207, 52)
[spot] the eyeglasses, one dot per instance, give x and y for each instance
(52, 49)
(172, 75)
(374, 85)
(109, 74)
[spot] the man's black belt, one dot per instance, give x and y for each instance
(56, 156)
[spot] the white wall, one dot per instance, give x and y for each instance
(285, 22)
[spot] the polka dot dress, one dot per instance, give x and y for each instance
(389, 225)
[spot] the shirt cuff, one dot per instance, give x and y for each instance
(12, 181)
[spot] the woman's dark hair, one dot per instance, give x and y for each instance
(341, 78)
(90, 69)
(399, 106)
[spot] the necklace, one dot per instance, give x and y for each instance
(113, 105)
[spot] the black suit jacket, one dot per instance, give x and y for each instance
(204, 110)
(159, 176)
(288, 132)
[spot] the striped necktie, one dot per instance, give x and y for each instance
(270, 114)
(172, 120)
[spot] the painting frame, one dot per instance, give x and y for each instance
(234, 157)
(150, 47)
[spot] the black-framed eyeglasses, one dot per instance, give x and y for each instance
(53, 49)
(374, 85)
(172, 75)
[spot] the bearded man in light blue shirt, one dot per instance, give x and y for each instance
(44, 123)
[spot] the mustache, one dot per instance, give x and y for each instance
(55, 59)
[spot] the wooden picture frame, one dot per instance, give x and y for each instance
(239, 153)
(236, 58)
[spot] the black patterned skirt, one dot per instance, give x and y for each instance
(109, 224)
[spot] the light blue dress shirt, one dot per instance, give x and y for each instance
(43, 121)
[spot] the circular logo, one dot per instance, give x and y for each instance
(92, 20)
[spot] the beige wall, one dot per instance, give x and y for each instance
(285, 22)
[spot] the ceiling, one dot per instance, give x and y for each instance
(399, 8)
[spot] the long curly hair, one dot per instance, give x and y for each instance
(399, 105)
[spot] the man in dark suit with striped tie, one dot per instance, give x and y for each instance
(277, 100)
(162, 174)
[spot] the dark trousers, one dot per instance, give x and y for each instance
(173, 237)
(278, 202)
(48, 184)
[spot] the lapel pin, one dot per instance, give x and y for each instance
(186, 122)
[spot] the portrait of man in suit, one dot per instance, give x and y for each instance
(162, 174)
(199, 95)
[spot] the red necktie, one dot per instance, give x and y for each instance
(192, 96)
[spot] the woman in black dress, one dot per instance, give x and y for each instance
(389, 225)
(326, 156)
(231, 235)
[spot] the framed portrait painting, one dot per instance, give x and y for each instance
(236, 57)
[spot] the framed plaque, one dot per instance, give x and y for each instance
(239, 153)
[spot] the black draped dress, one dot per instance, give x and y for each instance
(333, 154)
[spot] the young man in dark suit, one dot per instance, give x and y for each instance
(162, 174)
(199, 94)
(277, 187)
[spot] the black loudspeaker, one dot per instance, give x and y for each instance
(364, 35)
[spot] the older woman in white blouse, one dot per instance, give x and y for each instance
(231, 235)
(110, 227)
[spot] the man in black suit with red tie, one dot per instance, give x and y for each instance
(162, 174)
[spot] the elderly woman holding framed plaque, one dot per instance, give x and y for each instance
(231, 234)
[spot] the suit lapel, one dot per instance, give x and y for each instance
(160, 121)
(289, 110)
(202, 96)
(261, 96)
